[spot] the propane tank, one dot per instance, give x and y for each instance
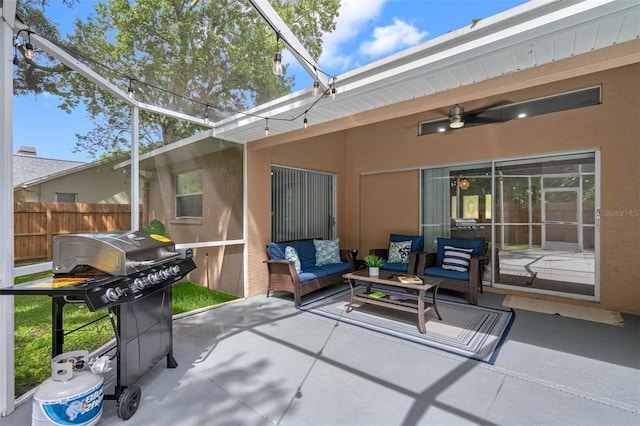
(71, 396)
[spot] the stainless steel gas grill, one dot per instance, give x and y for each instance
(130, 274)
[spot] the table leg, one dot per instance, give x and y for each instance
(435, 305)
(350, 305)
(421, 320)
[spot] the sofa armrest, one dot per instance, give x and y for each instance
(345, 256)
(283, 266)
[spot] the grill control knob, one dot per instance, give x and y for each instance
(175, 270)
(139, 283)
(154, 278)
(164, 274)
(113, 294)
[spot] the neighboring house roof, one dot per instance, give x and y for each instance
(533, 34)
(28, 168)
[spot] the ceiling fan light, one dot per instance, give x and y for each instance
(456, 117)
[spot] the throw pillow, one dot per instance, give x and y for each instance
(291, 254)
(399, 251)
(327, 252)
(456, 259)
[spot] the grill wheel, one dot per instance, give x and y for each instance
(128, 402)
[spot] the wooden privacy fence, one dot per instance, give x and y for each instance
(35, 225)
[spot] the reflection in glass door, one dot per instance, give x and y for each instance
(537, 214)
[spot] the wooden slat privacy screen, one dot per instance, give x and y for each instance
(35, 225)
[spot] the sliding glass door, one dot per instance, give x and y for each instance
(538, 215)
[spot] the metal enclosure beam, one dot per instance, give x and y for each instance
(7, 375)
(297, 49)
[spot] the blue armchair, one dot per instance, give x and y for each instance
(400, 256)
(458, 264)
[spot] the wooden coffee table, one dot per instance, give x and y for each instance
(419, 306)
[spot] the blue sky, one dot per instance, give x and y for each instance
(366, 30)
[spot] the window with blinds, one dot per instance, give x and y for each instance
(302, 204)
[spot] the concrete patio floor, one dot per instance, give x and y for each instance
(262, 362)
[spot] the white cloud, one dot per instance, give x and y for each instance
(392, 38)
(353, 16)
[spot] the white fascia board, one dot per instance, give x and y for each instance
(470, 46)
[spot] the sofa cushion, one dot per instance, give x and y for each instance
(276, 251)
(417, 241)
(290, 253)
(337, 268)
(456, 258)
(396, 267)
(327, 252)
(312, 274)
(474, 244)
(399, 251)
(436, 271)
(307, 253)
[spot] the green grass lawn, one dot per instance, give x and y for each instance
(33, 327)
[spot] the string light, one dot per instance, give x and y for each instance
(316, 88)
(28, 53)
(277, 58)
(131, 86)
(131, 90)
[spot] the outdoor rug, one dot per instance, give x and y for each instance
(565, 309)
(470, 331)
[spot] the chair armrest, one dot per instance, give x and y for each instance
(413, 262)
(425, 260)
(382, 252)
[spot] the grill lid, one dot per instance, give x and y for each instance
(117, 253)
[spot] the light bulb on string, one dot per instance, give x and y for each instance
(28, 53)
(305, 121)
(316, 88)
(131, 90)
(206, 115)
(266, 127)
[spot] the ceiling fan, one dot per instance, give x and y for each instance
(489, 114)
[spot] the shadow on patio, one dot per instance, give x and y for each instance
(262, 362)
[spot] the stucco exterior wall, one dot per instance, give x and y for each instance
(220, 267)
(386, 140)
(100, 184)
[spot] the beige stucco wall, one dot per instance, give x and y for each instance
(386, 140)
(220, 267)
(99, 184)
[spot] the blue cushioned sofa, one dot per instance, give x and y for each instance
(284, 277)
(468, 282)
(417, 246)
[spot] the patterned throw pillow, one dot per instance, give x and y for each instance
(327, 252)
(399, 251)
(456, 259)
(291, 254)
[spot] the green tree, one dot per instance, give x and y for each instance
(192, 56)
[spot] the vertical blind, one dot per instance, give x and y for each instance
(302, 204)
